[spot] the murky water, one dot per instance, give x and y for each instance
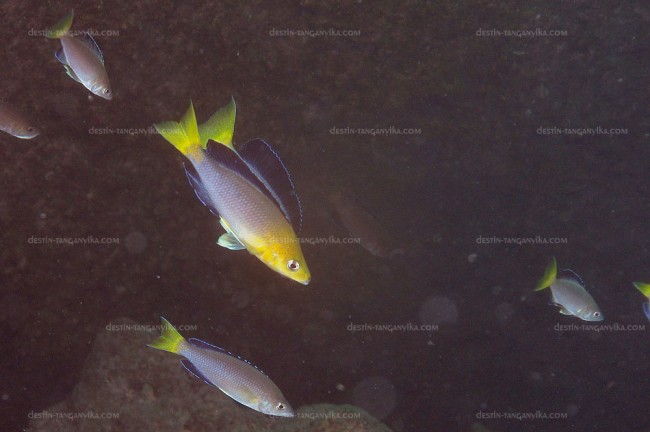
(484, 137)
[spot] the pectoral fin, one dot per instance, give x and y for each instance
(229, 241)
(71, 73)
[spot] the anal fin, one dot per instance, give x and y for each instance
(229, 241)
(200, 190)
(189, 366)
(71, 73)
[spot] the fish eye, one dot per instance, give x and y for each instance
(293, 265)
(107, 91)
(280, 406)
(30, 129)
(596, 314)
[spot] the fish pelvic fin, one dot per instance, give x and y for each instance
(61, 28)
(183, 135)
(220, 127)
(169, 340)
(643, 287)
(550, 274)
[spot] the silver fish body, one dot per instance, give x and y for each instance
(249, 212)
(235, 377)
(85, 64)
(573, 299)
(14, 123)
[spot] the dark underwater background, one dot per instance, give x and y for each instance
(473, 165)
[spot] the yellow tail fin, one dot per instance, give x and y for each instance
(169, 340)
(61, 28)
(220, 127)
(549, 276)
(184, 135)
(644, 288)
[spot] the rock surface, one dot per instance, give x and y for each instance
(125, 386)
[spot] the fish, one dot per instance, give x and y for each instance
(362, 226)
(249, 189)
(14, 123)
(569, 294)
(644, 288)
(235, 377)
(81, 57)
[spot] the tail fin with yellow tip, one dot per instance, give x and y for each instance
(184, 135)
(220, 127)
(169, 340)
(60, 29)
(644, 288)
(549, 276)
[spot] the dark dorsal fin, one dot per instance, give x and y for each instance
(60, 56)
(204, 345)
(229, 159)
(90, 42)
(199, 189)
(189, 366)
(270, 170)
(571, 275)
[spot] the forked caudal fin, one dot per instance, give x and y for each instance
(188, 136)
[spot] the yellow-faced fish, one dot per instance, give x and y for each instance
(249, 189)
(645, 290)
(235, 377)
(363, 226)
(569, 294)
(81, 57)
(14, 123)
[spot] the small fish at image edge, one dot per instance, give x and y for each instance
(14, 123)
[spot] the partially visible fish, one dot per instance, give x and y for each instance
(569, 294)
(363, 226)
(14, 123)
(235, 377)
(81, 57)
(644, 288)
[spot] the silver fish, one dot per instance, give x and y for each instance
(14, 123)
(235, 377)
(569, 294)
(81, 57)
